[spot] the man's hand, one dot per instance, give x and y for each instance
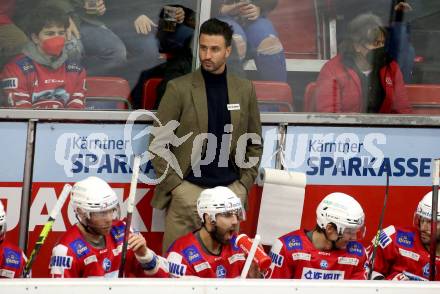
(403, 6)
(230, 9)
(98, 10)
(143, 24)
(250, 11)
(138, 244)
(254, 272)
(72, 30)
(180, 15)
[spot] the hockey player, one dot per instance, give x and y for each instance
(12, 258)
(92, 247)
(42, 77)
(403, 253)
(330, 251)
(210, 252)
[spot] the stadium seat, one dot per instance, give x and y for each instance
(424, 98)
(309, 97)
(274, 96)
(107, 93)
(149, 93)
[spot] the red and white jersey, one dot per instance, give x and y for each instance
(187, 257)
(294, 257)
(29, 84)
(12, 260)
(400, 251)
(74, 257)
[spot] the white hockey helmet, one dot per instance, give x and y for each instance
(343, 211)
(2, 222)
(93, 195)
(219, 200)
(424, 209)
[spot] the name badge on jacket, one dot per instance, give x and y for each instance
(232, 107)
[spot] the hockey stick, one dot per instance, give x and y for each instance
(379, 229)
(433, 245)
(130, 207)
(46, 229)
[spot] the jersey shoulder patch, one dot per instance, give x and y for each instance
(25, 64)
(355, 248)
(73, 67)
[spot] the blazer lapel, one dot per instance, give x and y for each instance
(234, 98)
(200, 100)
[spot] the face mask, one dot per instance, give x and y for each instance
(53, 46)
(377, 56)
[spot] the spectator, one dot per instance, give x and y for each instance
(118, 37)
(210, 251)
(91, 248)
(330, 251)
(12, 38)
(210, 100)
(43, 77)
(177, 46)
(13, 265)
(254, 32)
(362, 77)
(397, 15)
(403, 253)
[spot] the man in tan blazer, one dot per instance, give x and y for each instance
(209, 135)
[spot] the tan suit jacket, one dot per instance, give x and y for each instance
(185, 101)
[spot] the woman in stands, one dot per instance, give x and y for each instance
(254, 32)
(362, 77)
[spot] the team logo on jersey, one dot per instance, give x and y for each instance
(405, 239)
(192, 254)
(276, 259)
(11, 258)
(79, 247)
(320, 274)
(293, 242)
(355, 248)
(11, 83)
(117, 233)
(61, 262)
(323, 264)
(106, 264)
(220, 272)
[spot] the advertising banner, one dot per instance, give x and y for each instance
(356, 161)
(13, 149)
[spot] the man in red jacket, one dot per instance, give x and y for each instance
(43, 77)
(362, 77)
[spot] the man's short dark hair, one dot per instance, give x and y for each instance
(44, 16)
(215, 26)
